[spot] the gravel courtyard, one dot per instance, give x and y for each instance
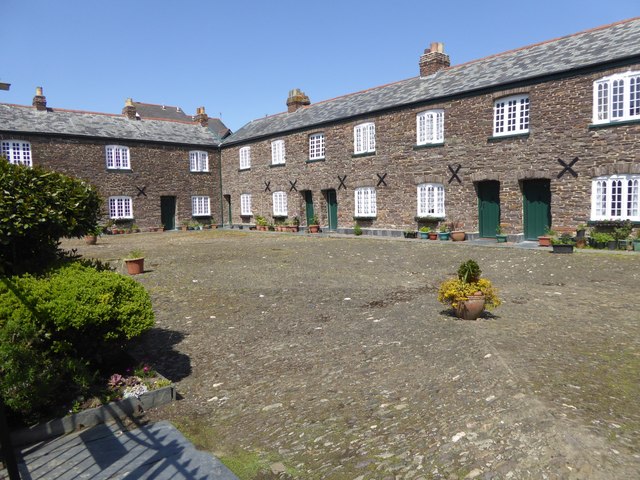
(330, 357)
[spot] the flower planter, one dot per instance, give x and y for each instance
(612, 245)
(409, 234)
(471, 308)
(544, 241)
(501, 238)
(90, 239)
(433, 235)
(314, 228)
(457, 236)
(424, 235)
(135, 266)
(443, 235)
(562, 248)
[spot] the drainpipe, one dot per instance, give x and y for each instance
(220, 181)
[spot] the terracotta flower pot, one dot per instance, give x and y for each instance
(90, 239)
(433, 235)
(314, 228)
(544, 241)
(471, 308)
(135, 266)
(457, 236)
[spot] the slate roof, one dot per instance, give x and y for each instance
(150, 110)
(23, 119)
(605, 44)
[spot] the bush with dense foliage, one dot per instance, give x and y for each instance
(58, 329)
(37, 208)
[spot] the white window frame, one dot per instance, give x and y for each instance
(245, 205)
(431, 200)
(120, 207)
(430, 127)
(200, 206)
(616, 98)
(280, 208)
(277, 152)
(245, 158)
(198, 161)
(616, 197)
(511, 115)
(17, 152)
(117, 157)
(364, 138)
(365, 202)
(316, 146)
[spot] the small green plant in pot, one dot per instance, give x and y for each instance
(501, 237)
(468, 294)
(314, 225)
(424, 232)
(443, 233)
(134, 262)
(562, 244)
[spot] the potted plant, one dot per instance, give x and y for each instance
(314, 226)
(135, 262)
(261, 223)
(468, 294)
(424, 232)
(621, 234)
(433, 234)
(581, 239)
(294, 225)
(409, 233)
(456, 234)
(600, 239)
(562, 244)
(184, 225)
(91, 238)
(357, 229)
(443, 234)
(545, 240)
(500, 236)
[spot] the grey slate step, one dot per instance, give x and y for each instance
(157, 451)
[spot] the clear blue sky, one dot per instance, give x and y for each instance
(240, 58)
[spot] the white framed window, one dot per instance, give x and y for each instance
(615, 198)
(279, 204)
(198, 161)
(316, 146)
(277, 152)
(364, 138)
(245, 158)
(365, 200)
(200, 206)
(117, 157)
(616, 98)
(17, 152)
(245, 204)
(431, 200)
(511, 115)
(430, 127)
(120, 207)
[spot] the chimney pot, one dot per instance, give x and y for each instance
(40, 101)
(129, 110)
(201, 117)
(296, 100)
(433, 59)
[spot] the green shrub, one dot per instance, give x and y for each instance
(357, 230)
(37, 209)
(58, 329)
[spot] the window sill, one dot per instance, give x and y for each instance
(612, 223)
(199, 171)
(364, 217)
(499, 138)
(246, 215)
(244, 169)
(276, 165)
(315, 160)
(200, 214)
(428, 145)
(429, 218)
(118, 169)
(365, 154)
(621, 123)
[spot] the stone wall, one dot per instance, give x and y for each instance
(560, 118)
(157, 169)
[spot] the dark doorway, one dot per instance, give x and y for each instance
(308, 200)
(332, 209)
(536, 197)
(168, 212)
(488, 207)
(227, 200)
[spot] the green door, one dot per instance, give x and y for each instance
(227, 199)
(489, 207)
(168, 212)
(308, 199)
(332, 209)
(536, 195)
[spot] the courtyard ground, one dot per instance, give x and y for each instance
(330, 357)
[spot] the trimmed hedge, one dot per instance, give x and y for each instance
(37, 208)
(58, 329)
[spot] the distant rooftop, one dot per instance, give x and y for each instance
(610, 43)
(153, 111)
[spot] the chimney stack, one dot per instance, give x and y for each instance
(297, 99)
(433, 59)
(129, 110)
(40, 101)
(201, 117)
